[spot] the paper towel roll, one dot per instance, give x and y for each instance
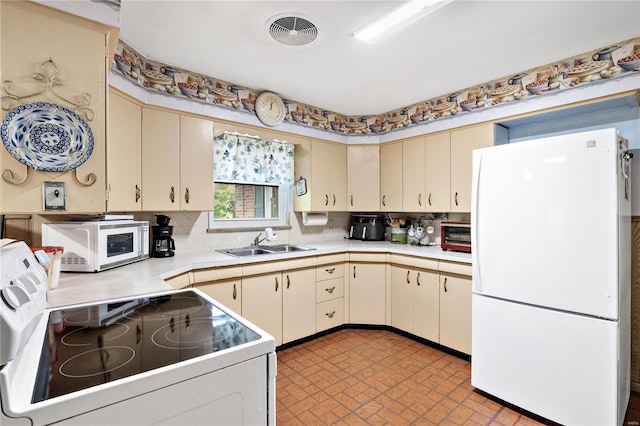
(314, 219)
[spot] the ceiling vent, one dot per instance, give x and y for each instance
(293, 30)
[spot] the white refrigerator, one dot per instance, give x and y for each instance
(551, 255)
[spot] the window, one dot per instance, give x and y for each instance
(252, 182)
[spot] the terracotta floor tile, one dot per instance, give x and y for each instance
(376, 377)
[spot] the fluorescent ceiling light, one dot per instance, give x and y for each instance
(401, 16)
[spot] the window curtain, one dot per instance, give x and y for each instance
(251, 160)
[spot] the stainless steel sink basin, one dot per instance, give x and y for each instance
(258, 250)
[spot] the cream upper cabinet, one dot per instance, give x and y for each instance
(414, 174)
(79, 53)
(324, 167)
(391, 177)
(177, 161)
(160, 160)
(196, 163)
(124, 155)
(463, 142)
(455, 312)
(367, 293)
(363, 177)
(437, 171)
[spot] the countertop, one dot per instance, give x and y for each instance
(148, 276)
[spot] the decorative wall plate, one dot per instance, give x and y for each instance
(47, 137)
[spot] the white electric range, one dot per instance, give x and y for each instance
(166, 358)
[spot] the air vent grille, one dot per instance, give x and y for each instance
(293, 30)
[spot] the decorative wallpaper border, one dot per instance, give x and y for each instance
(612, 62)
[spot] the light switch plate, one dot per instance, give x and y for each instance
(54, 195)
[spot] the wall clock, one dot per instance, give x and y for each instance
(270, 109)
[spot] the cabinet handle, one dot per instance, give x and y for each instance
(455, 198)
(172, 194)
(288, 282)
(330, 290)
(235, 292)
(330, 314)
(384, 201)
(326, 199)
(277, 284)
(330, 270)
(445, 284)
(137, 193)
(408, 281)
(354, 272)
(418, 279)
(186, 195)
(334, 197)
(429, 199)
(420, 199)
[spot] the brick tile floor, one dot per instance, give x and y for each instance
(376, 377)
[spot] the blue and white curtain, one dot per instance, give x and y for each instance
(251, 160)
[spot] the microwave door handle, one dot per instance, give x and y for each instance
(364, 233)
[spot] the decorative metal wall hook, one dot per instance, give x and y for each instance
(48, 76)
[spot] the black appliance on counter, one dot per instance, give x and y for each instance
(367, 227)
(162, 244)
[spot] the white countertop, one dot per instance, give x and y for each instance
(148, 276)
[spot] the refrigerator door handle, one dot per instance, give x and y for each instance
(475, 253)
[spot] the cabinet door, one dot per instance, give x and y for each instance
(426, 305)
(196, 163)
(227, 292)
(391, 177)
(438, 172)
(413, 175)
(320, 182)
(124, 155)
(367, 299)
(463, 142)
(160, 160)
(455, 312)
(402, 289)
(262, 303)
(338, 161)
(363, 177)
(298, 304)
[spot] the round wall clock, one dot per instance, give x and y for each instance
(270, 109)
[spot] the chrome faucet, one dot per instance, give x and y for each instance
(257, 240)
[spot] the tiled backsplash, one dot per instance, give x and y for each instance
(611, 62)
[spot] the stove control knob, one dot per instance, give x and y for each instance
(15, 296)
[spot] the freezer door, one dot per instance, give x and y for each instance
(545, 222)
(561, 366)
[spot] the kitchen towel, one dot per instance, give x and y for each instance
(314, 219)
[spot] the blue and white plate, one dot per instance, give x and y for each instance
(47, 137)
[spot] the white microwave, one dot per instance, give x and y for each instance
(98, 245)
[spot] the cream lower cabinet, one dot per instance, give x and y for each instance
(224, 285)
(455, 307)
(367, 288)
(415, 301)
(330, 295)
(282, 303)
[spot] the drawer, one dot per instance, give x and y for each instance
(329, 289)
(329, 314)
(328, 272)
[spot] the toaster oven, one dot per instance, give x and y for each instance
(455, 236)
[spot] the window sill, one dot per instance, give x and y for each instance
(246, 229)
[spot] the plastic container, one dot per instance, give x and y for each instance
(399, 235)
(53, 267)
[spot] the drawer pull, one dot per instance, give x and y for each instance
(420, 199)
(288, 282)
(429, 199)
(408, 281)
(334, 199)
(186, 195)
(172, 195)
(456, 198)
(330, 314)
(354, 272)
(330, 290)
(351, 200)
(277, 284)
(445, 284)
(235, 292)
(137, 193)
(330, 270)
(418, 279)
(326, 199)
(384, 200)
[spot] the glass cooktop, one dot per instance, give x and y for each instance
(96, 344)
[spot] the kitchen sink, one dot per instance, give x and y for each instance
(258, 250)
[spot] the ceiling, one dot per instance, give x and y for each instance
(465, 43)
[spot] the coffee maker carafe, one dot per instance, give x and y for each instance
(162, 244)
